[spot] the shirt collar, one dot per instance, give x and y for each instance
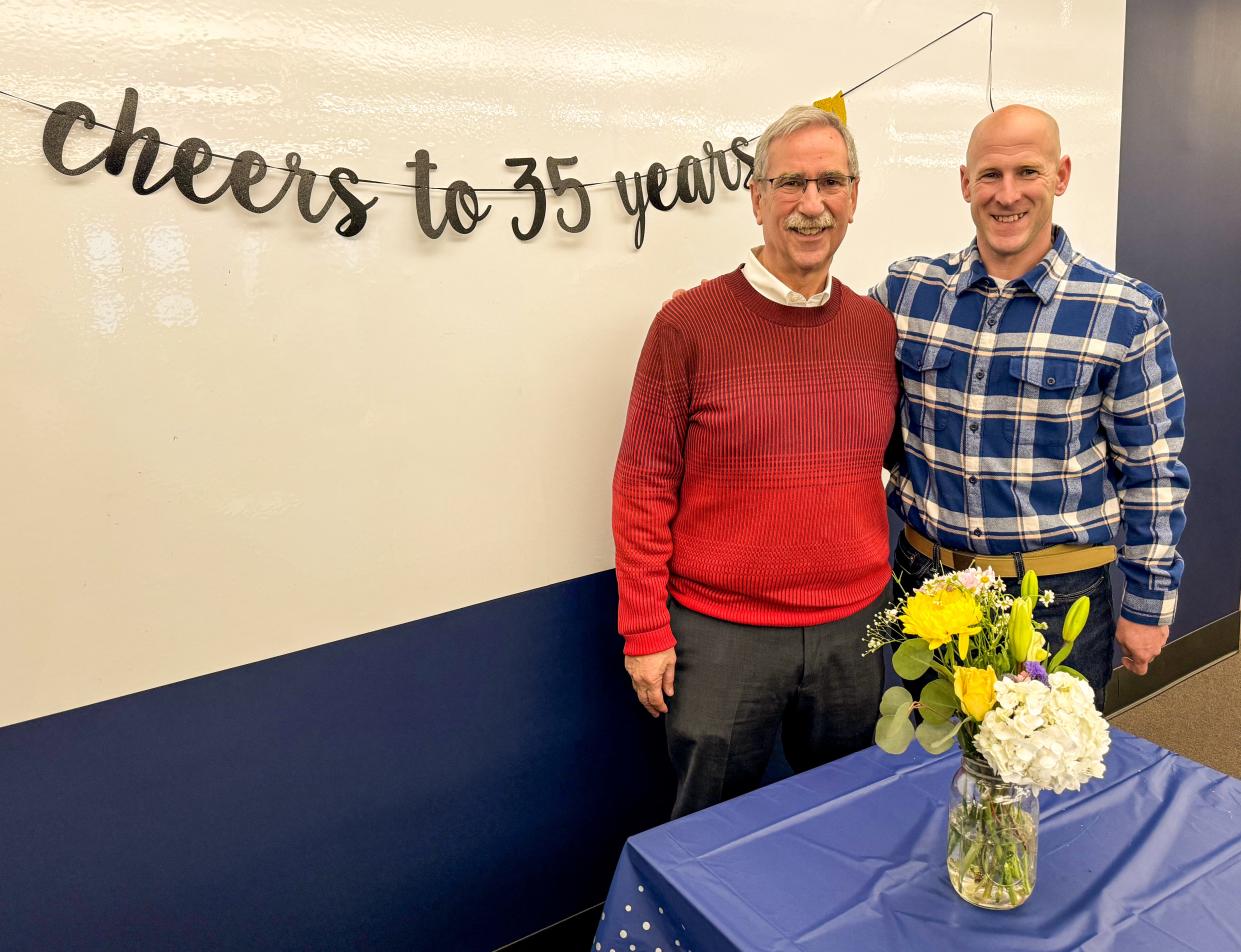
(1043, 279)
(772, 288)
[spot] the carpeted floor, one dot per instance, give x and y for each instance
(1200, 718)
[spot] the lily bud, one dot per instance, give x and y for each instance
(1029, 586)
(1020, 631)
(1075, 620)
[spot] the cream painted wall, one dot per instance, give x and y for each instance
(233, 436)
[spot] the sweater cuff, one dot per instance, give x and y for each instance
(650, 642)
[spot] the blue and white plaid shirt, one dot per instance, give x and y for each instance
(1045, 412)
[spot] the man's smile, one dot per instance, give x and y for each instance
(1009, 219)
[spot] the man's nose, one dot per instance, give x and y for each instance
(813, 201)
(1008, 193)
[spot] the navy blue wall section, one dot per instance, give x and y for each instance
(452, 783)
(1179, 229)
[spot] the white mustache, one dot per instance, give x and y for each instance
(796, 221)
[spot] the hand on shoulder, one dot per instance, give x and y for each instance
(678, 292)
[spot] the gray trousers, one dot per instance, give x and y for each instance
(737, 685)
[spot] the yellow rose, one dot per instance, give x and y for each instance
(976, 689)
(938, 617)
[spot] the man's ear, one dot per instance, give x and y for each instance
(1063, 171)
(965, 183)
(758, 213)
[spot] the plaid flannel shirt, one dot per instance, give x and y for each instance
(1045, 412)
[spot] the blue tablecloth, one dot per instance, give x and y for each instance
(851, 857)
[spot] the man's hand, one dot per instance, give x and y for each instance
(652, 677)
(1141, 643)
(676, 294)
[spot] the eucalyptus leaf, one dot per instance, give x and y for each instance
(893, 698)
(936, 738)
(911, 659)
(893, 734)
(938, 702)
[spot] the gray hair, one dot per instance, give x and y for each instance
(796, 118)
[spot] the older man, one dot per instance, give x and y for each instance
(1043, 414)
(751, 537)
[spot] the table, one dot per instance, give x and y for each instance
(850, 856)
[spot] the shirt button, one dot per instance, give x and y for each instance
(1050, 381)
(973, 480)
(991, 322)
(977, 532)
(974, 427)
(979, 375)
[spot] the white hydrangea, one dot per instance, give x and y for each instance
(1051, 738)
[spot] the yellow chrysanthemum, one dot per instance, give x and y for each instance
(938, 617)
(976, 689)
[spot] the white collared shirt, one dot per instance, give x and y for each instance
(773, 289)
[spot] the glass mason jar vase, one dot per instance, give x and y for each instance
(992, 837)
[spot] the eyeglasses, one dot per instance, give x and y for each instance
(829, 183)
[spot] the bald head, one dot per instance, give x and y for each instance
(1015, 125)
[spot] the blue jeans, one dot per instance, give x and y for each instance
(1092, 652)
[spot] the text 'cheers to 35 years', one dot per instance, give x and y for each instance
(694, 179)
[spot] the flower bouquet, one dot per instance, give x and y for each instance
(1024, 723)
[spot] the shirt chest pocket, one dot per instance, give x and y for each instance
(1050, 398)
(925, 375)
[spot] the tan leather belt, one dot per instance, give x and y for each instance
(1053, 560)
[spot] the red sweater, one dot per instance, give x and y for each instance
(748, 482)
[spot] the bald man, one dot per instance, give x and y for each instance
(1042, 411)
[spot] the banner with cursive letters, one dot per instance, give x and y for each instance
(457, 206)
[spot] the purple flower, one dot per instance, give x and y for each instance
(1036, 671)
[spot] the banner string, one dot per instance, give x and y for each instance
(705, 158)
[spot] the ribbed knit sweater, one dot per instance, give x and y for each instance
(748, 483)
